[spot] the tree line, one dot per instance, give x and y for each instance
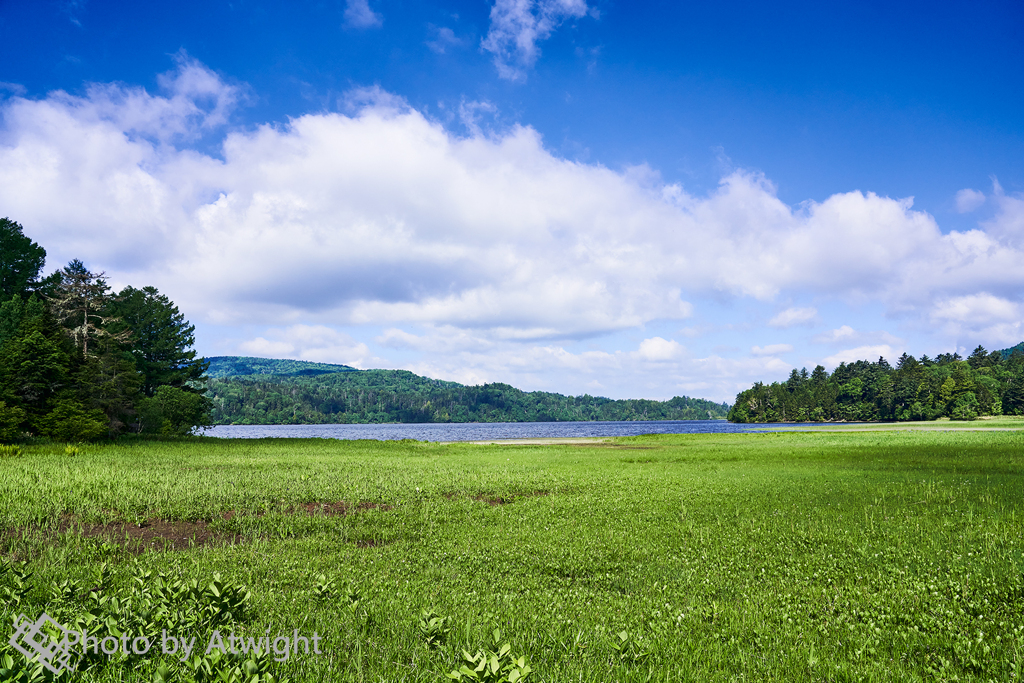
(80, 362)
(376, 396)
(915, 389)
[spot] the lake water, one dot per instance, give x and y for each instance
(484, 431)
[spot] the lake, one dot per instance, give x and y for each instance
(484, 431)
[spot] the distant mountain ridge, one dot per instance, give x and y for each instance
(247, 390)
(243, 366)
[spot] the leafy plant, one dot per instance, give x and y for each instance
(352, 595)
(72, 450)
(323, 588)
(629, 648)
(17, 669)
(65, 591)
(434, 629)
(497, 665)
(10, 451)
(218, 667)
(19, 586)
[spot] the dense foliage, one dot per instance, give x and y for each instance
(79, 362)
(401, 396)
(916, 389)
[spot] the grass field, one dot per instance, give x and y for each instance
(787, 556)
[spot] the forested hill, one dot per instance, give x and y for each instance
(235, 366)
(296, 396)
(915, 389)
(1006, 353)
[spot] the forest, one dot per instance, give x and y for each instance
(947, 386)
(80, 362)
(311, 395)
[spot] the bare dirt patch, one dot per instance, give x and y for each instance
(161, 534)
(153, 534)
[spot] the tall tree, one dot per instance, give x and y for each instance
(21, 260)
(80, 303)
(162, 340)
(979, 358)
(34, 362)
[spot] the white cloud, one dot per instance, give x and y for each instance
(846, 335)
(444, 39)
(839, 334)
(771, 349)
(794, 316)
(869, 353)
(13, 88)
(976, 309)
(658, 349)
(477, 250)
(968, 200)
(311, 342)
(1008, 224)
(382, 216)
(518, 25)
(981, 318)
(359, 15)
(471, 112)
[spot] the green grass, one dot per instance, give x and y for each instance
(1001, 422)
(788, 556)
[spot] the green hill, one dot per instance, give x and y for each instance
(239, 366)
(267, 391)
(1006, 353)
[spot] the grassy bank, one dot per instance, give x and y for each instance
(987, 423)
(793, 556)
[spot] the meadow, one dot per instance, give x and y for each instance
(798, 556)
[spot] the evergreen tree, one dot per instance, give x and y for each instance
(979, 358)
(21, 260)
(162, 340)
(81, 303)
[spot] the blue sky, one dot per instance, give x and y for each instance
(628, 199)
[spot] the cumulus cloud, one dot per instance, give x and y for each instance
(658, 349)
(359, 15)
(982, 317)
(1008, 224)
(485, 242)
(311, 342)
(794, 316)
(518, 25)
(771, 349)
(383, 215)
(968, 200)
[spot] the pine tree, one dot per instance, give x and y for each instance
(80, 304)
